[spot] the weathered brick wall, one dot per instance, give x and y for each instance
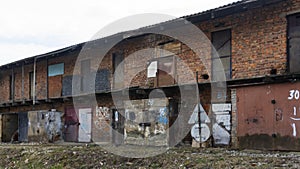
(258, 44)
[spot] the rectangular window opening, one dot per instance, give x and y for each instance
(56, 69)
(221, 55)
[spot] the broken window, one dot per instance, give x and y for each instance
(221, 55)
(152, 69)
(163, 69)
(56, 69)
(293, 43)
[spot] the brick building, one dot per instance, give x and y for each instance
(138, 87)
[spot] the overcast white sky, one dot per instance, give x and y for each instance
(32, 27)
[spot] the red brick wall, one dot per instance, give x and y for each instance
(258, 44)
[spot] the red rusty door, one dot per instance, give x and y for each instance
(71, 125)
(268, 116)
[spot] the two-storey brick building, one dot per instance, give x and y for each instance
(141, 83)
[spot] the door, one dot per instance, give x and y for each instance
(23, 127)
(118, 121)
(9, 127)
(268, 116)
(85, 125)
(294, 43)
(71, 125)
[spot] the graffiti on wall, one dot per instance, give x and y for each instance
(53, 125)
(194, 119)
(44, 126)
(102, 117)
(146, 122)
(222, 126)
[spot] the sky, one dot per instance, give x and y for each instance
(32, 27)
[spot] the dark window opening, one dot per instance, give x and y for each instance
(293, 43)
(118, 69)
(12, 86)
(85, 70)
(31, 85)
(221, 54)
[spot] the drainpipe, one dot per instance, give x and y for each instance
(12, 85)
(34, 81)
(47, 80)
(198, 108)
(23, 99)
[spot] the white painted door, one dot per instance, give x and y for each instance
(85, 127)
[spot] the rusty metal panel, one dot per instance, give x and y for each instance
(23, 127)
(36, 127)
(9, 127)
(55, 86)
(293, 43)
(269, 116)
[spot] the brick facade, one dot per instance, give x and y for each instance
(258, 44)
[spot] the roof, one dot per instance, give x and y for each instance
(222, 11)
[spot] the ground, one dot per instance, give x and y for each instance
(93, 156)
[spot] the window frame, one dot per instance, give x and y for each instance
(213, 58)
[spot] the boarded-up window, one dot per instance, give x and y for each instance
(294, 43)
(56, 69)
(221, 55)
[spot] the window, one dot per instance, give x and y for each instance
(85, 70)
(118, 68)
(31, 85)
(293, 43)
(221, 55)
(152, 69)
(163, 69)
(57, 69)
(12, 86)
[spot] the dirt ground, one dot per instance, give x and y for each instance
(93, 156)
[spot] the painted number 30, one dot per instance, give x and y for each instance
(294, 94)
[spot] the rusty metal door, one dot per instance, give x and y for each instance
(23, 127)
(71, 125)
(268, 116)
(294, 43)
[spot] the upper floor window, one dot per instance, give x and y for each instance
(221, 54)
(294, 43)
(56, 69)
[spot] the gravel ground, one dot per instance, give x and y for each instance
(93, 156)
